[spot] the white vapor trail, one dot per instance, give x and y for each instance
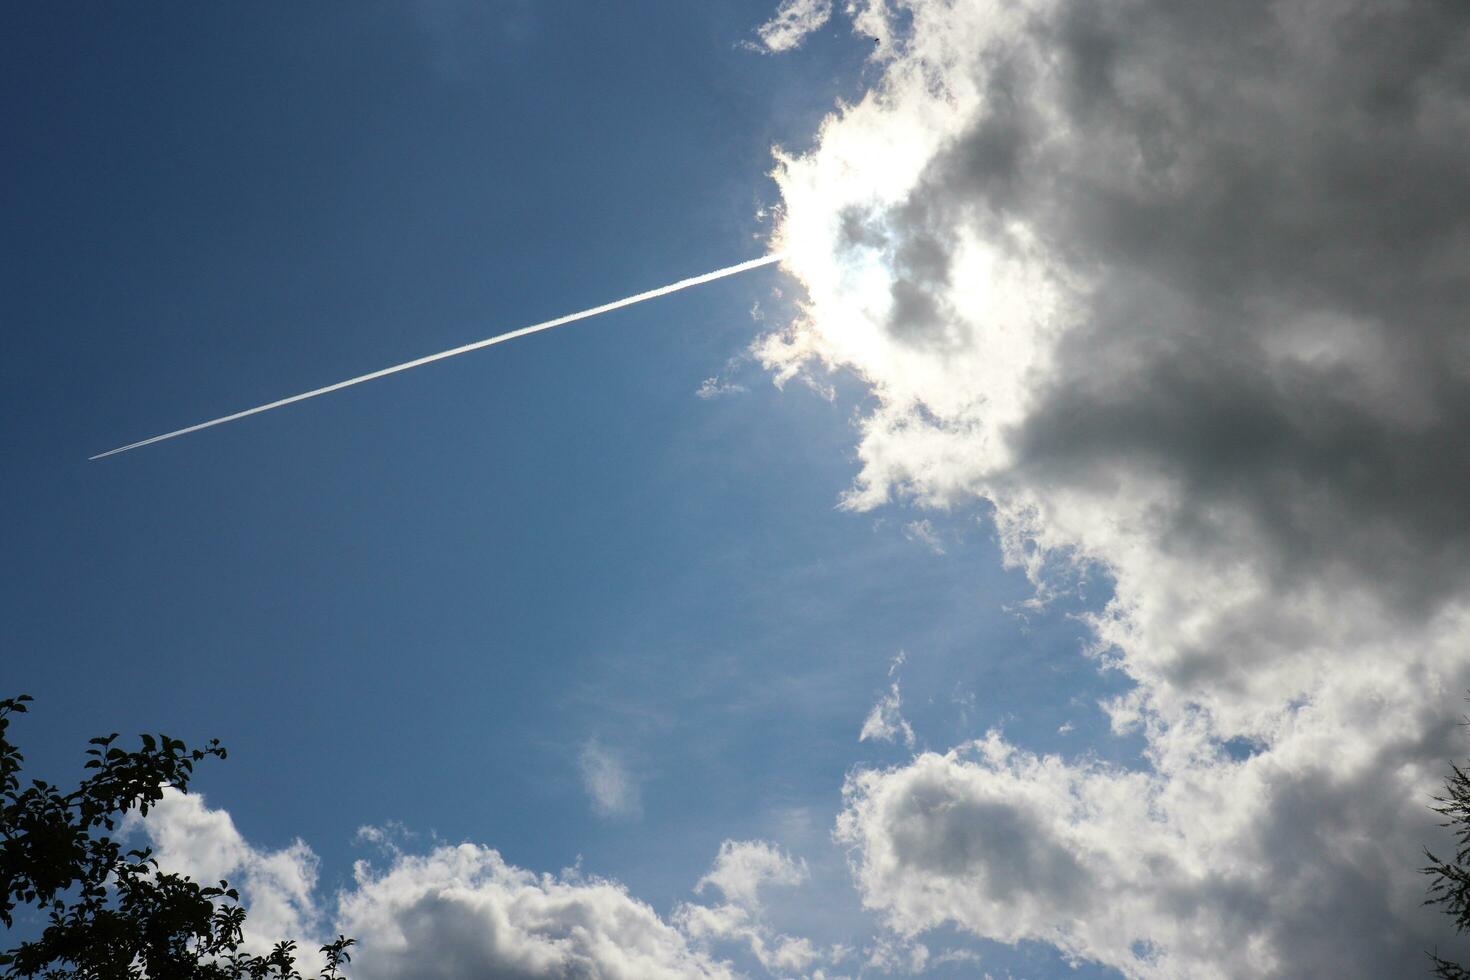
(673, 287)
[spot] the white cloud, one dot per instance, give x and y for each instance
(605, 777)
(388, 837)
(792, 22)
(990, 838)
(1178, 288)
(889, 955)
(885, 723)
(780, 954)
(743, 868)
(278, 886)
(740, 871)
(463, 912)
(714, 387)
(455, 913)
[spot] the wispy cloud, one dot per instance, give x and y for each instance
(923, 532)
(885, 723)
(793, 21)
(610, 786)
(716, 387)
(741, 870)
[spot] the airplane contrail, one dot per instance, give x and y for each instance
(672, 287)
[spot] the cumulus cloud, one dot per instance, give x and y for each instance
(1178, 289)
(740, 871)
(463, 912)
(279, 887)
(454, 913)
(743, 868)
(609, 784)
(780, 954)
(792, 22)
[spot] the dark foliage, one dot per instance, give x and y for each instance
(112, 915)
(1450, 884)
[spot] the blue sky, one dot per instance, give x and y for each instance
(1095, 452)
(419, 601)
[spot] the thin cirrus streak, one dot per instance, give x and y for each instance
(455, 351)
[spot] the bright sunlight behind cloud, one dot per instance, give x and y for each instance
(1179, 289)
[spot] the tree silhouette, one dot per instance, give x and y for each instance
(112, 914)
(1450, 884)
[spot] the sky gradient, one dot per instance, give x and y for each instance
(1038, 574)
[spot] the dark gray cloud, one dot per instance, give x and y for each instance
(950, 834)
(1272, 210)
(1181, 289)
(1281, 176)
